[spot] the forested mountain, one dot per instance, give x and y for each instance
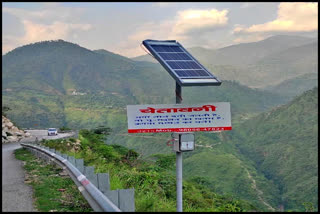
(59, 79)
(58, 66)
(283, 144)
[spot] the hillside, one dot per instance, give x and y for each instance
(295, 86)
(270, 159)
(58, 83)
(284, 147)
(58, 67)
(289, 63)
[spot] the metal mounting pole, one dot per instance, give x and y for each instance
(179, 159)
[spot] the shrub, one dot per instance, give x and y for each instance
(120, 149)
(102, 130)
(73, 140)
(132, 155)
(165, 161)
(64, 128)
(107, 152)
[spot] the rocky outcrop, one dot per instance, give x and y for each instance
(10, 133)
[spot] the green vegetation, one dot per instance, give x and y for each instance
(153, 180)
(215, 159)
(64, 129)
(40, 91)
(278, 148)
(52, 193)
(283, 144)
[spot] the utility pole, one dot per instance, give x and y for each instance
(179, 158)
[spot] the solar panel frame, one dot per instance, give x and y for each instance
(204, 80)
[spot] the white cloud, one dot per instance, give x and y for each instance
(189, 21)
(142, 34)
(49, 11)
(8, 43)
(57, 30)
(150, 30)
(183, 27)
(292, 17)
(52, 22)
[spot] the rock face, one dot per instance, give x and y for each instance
(11, 133)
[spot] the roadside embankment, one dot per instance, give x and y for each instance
(11, 133)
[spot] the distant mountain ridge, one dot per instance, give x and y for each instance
(249, 53)
(295, 86)
(260, 64)
(234, 54)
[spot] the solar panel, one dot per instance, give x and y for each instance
(180, 64)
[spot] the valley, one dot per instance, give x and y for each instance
(269, 157)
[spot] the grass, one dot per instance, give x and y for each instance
(153, 181)
(52, 192)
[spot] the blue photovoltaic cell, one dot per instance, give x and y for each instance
(166, 48)
(174, 56)
(187, 73)
(183, 65)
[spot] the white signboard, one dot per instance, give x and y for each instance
(179, 117)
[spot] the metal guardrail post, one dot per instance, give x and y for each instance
(126, 200)
(72, 160)
(89, 173)
(103, 182)
(80, 165)
(113, 195)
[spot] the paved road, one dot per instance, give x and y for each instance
(16, 195)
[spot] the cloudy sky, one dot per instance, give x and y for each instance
(121, 27)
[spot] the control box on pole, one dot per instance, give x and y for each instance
(183, 142)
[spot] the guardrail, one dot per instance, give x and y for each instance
(94, 187)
